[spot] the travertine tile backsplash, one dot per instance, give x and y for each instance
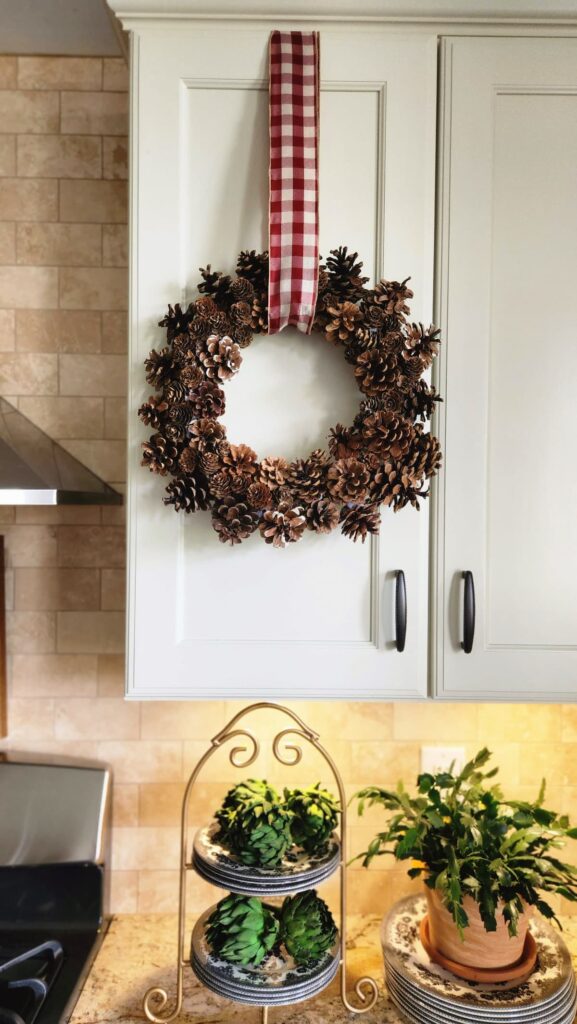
(63, 295)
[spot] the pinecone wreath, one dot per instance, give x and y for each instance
(385, 458)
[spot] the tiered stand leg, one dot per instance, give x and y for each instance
(289, 754)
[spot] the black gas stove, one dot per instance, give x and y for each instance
(52, 917)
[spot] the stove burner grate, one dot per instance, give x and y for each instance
(25, 980)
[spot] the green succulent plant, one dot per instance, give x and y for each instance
(466, 840)
(242, 930)
(307, 928)
(315, 813)
(254, 824)
(238, 798)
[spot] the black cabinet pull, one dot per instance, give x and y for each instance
(468, 613)
(400, 610)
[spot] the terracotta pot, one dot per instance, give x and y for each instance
(478, 948)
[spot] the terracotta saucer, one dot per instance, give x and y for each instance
(518, 971)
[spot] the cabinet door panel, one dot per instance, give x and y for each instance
(510, 309)
(316, 619)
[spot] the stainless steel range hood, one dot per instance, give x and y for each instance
(35, 470)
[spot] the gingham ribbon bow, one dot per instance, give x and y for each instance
(294, 179)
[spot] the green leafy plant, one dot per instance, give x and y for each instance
(242, 930)
(259, 826)
(465, 839)
(307, 928)
(315, 813)
(254, 824)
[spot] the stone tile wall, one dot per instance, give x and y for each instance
(63, 291)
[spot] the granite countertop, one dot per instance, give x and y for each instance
(139, 951)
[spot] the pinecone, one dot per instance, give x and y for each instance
(174, 392)
(374, 316)
(151, 412)
(344, 442)
(419, 404)
(233, 521)
(254, 267)
(384, 484)
(215, 284)
(243, 336)
(324, 281)
(345, 272)
(182, 348)
(259, 316)
(307, 928)
(343, 323)
(425, 457)
(273, 472)
(315, 814)
(207, 433)
(242, 930)
(191, 376)
(386, 433)
(239, 458)
(159, 454)
(188, 459)
(209, 462)
(259, 496)
(322, 516)
(159, 367)
(175, 432)
(205, 307)
(243, 290)
(240, 314)
(347, 480)
(198, 333)
(376, 371)
(393, 486)
(422, 344)
(283, 525)
(221, 357)
(219, 323)
(180, 415)
(220, 485)
(360, 521)
(306, 477)
(393, 295)
(208, 400)
(176, 320)
(210, 280)
(187, 494)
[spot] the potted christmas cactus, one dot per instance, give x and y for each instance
(486, 862)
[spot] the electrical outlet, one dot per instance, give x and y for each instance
(439, 759)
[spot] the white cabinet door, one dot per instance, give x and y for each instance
(315, 619)
(508, 501)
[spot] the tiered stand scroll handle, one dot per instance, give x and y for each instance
(366, 988)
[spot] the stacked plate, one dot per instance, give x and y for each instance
(296, 873)
(425, 992)
(279, 983)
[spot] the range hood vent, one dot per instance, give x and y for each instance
(35, 470)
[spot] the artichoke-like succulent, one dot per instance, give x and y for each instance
(254, 824)
(307, 928)
(315, 813)
(242, 930)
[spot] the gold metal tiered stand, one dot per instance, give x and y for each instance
(242, 756)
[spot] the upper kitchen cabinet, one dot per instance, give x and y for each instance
(508, 307)
(316, 619)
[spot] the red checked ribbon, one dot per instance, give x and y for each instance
(294, 180)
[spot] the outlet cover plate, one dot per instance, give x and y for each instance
(438, 759)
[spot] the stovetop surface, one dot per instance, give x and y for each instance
(51, 925)
(43, 987)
